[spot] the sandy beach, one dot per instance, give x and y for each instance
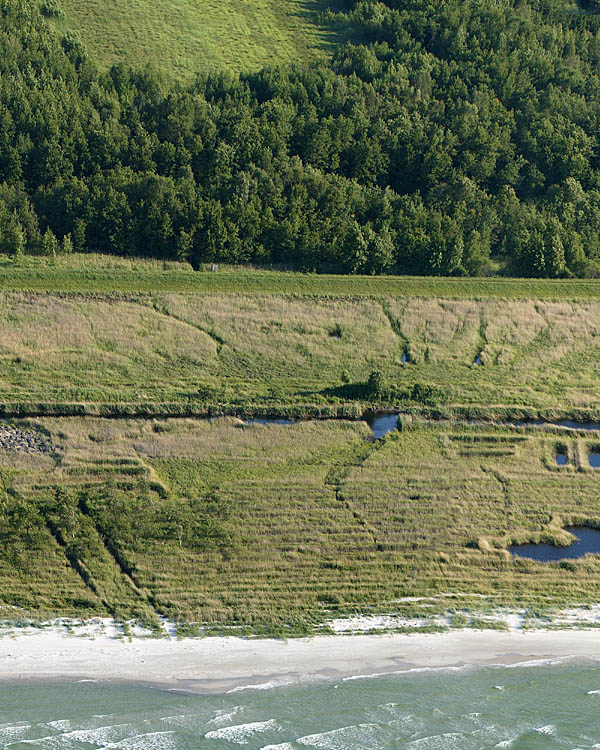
(221, 664)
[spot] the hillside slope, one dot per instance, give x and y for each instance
(447, 139)
(189, 36)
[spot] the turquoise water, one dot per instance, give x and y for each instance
(523, 707)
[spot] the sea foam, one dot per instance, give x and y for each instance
(239, 733)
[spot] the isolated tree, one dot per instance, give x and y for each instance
(15, 238)
(375, 384)
(50, 245)
(67, 245)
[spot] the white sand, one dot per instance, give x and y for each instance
(219, 664)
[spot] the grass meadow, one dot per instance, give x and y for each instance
(272, 529)
(191, 36)
(192, 354)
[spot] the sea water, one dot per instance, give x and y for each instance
(526, 707)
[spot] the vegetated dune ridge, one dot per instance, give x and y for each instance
(274, 529)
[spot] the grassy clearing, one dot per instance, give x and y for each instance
(271, 529)
(189, 36)
(188, 354)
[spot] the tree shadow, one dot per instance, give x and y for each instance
(344, 392)
(331, 35)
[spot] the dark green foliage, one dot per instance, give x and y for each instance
(429, 395)
(20, 523)
(51, 9)
(456, 138)
(375, 384)
(133, 521)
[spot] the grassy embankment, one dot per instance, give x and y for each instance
(93, 340)
(272, 529)
(87, 273)
(191, 36)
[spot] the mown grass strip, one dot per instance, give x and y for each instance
(244, 281)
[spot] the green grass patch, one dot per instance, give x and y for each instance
(191, 36)
(98, 273)
(192, 354)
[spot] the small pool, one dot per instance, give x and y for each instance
(381, 424)
(561, 459)
(594, 459)
(587, 542)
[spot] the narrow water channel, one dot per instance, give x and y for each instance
(269, 420)
(577, 425)
(380, 423)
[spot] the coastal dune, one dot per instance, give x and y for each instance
(212, 665)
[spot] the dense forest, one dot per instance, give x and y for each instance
(444, 137)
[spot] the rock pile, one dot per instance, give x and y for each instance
(13, 438)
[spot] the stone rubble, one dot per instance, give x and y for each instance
(13, 438)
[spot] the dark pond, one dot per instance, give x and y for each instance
(381, 424)
(269, 420)
(577, 425)
(588, 541)
(404, 358)
(594, 459)
(478, 359)
(561, 459)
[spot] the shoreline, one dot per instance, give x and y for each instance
(223, 664)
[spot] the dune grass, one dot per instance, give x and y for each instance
(191, 36)
(273, 529)
(190, 354)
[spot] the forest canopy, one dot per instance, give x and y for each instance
(453, 137)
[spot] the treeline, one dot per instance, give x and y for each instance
(446, 137)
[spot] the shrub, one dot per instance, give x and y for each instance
(375, 383)
(51, 9)
(50, 245)
(67, 245)
(429, 395)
